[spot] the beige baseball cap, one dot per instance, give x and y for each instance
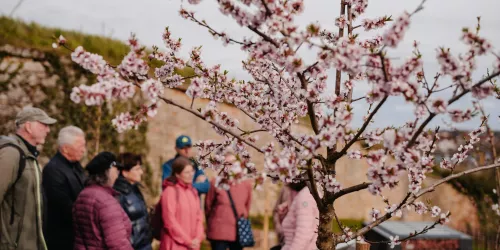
(31, 114)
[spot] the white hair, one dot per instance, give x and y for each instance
(67, 135)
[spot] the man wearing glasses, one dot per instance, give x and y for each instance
(183, 147)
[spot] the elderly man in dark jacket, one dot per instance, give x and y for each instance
(63, 180)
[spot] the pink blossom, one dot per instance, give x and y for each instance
(458, 115)
(395, 34)
(374, 214)
(196, 87)
(482, 91)
(152, 88)
(341, 22)
(420, 207)
(438, 105)
(479, 45)
(331, 184)
(354, 154)
(370, 24)
(61, 40)
(435, 211)
(394, 241)
(444, 218)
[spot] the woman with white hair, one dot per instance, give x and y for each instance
(63, 180)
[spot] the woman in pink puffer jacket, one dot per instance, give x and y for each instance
(301, 222)
(180, 209)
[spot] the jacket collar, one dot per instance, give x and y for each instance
(60, 156)
(107, 189)
(32, 149)
(122, 185)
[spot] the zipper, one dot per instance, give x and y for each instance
(39, 204)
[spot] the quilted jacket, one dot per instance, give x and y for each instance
(99, 221)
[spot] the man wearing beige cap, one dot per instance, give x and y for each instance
(20, 182)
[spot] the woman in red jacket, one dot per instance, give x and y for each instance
(180, 209)
(221, 222)
(99, 221)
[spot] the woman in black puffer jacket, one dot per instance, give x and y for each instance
(132, 201)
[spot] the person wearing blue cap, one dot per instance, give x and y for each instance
(183, 147)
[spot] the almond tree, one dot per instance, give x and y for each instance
(285, 88)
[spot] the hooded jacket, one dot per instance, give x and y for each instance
(24, 229)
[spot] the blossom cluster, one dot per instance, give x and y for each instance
(463, 150)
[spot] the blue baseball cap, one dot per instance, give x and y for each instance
(183, 141)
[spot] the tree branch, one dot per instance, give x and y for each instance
(408, 200)
(167, 101)
(314, 189)
(338, 73)
(268, 11)
(387, 216)
(264, 36)
(214, 32)
(452, 100)
(349, 190)
(337, 155)
(310, 106)
(451, 177)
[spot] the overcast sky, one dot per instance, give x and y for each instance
(439, 24)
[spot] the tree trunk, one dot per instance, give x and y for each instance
(326, 239)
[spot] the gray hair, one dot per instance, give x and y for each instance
(67, 135)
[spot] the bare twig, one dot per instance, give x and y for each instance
(194, 112)
(357, 99)
(452, 100)
(214, 32)
(409, 200)
(192, 102)
(15, 8)
(264, 36)
(338, 73)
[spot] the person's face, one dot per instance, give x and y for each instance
(186, 175)
(113, 173)
(75, 151)
(37, 131)
(186, 151)
(134, 174)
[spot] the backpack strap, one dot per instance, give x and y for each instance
(20, 170)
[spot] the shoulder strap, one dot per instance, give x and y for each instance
(22, 159)
(20, 170)
(232, 204)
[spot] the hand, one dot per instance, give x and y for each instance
(201, 178)
(195, 244)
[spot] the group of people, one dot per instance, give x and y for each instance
(100, 206)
